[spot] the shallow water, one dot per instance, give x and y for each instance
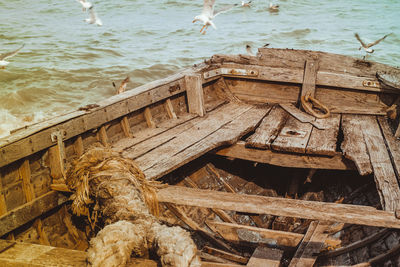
(67, 63)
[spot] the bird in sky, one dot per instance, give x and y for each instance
(85, 4)
(208, 14)
(3, 57)
(93, 19)
(367, 47)
(122, 87)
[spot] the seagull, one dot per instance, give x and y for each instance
(249, 52)
(246, 4)
(93, 19)
(367, 47)
(208, 14)
(122, 87)
(85, 5)
(273, 7)
(3, 57)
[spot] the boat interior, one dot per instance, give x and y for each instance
(287, 158)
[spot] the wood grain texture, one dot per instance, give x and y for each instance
(310, 77)
(126, 127)
(353, 145)
(268, 130)
(170, 109)
(323, 142)
(392, 142)
(195, 95)
(384, 174)
(265, 256)
(313, 210)
(293, 136)
(239, 151)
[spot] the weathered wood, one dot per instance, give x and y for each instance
(310, 77)
(57, 167)
(239, 151)
(313, 210)
(225, 255)
(255, 235)
(125, 127)
(223, 91)
(397, 133)
(353, 145)
(78, 146)
(217, 264)
(293, 136)
(3, 205)
(195, 95)
(384, 174)
(306, 254)
(380, 258)
(149, 118)
(393, 144)
(26, 254)
(268, 130)
(323, 142)
(265, 256)
(179, 151)
(170, 109)
(302, 116)
(29, 211)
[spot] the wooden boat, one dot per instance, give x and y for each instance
(288, 188)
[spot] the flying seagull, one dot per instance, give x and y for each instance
(246, 4)
(208, 14)
(85, 4)
(367, 47)
(249, 51)
(273, 7)
(93, 19)
(122, 87)
(3, 57)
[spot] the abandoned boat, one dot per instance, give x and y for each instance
(286, 158)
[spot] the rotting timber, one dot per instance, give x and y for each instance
(255, 179)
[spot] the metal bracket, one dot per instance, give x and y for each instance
(230, 71)
(369, 83)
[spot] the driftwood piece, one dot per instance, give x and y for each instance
(265, 256)
(268, 130)
(353, 145)
(385, 177)
(293, 137)
(238, 150)
(312, 210)
(323, 142)
(255, 235)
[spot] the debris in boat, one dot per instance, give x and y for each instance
(249, 52)
(246, 4)
(208, 14)
(93, 19)
(367, 47)
(273, 7)
(88, 107)
(112, 190)
(3, 57)
(85, 4)
(122, 87)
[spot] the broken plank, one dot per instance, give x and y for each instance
(384, 174)
(293, 137)
(268, 130)
(353, 145)
(265, 256)
(310, 77)
(393, 144)
(225, 255)
(313, 210)
(195, 95)
(226, 134)
(238, 150)
(302, 116)
(323, 142)
(29, 211)
(255, 235)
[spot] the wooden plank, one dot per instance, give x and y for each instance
(217, 264)
(293, 137)
(126, 127)
(102, 136)
(268, 130)
(393, 144)
(223, 91)
(225, 255)
(353, 145)
(149, 118)
(313, 241)
(302, 116)
(3, 205)
(255, 235)
(224, 134)
(265, 256)
(170, 109)
(195, 95)
(310, 77)
(238, 150)
(323, 142)
(56, 164)
(26, 254)
(25, 175)
(313, 210)
(78, 146)
(384, 174)
(29, 211)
